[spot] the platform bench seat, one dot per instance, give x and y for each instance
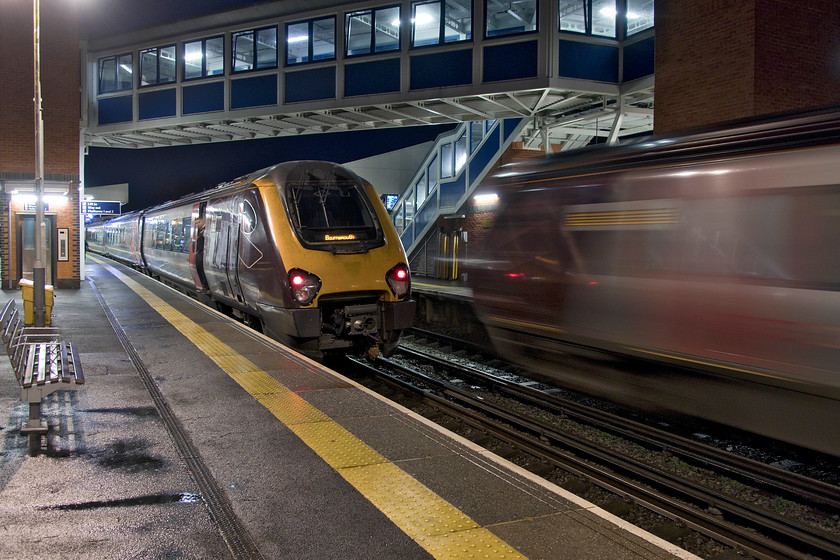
(41, 361)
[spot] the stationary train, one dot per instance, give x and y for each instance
(304, 251)
(715, 251)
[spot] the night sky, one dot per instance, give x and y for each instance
(100, 18)
(157, 175)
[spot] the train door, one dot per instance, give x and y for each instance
(197, 244)
(234, 238)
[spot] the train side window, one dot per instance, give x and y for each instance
(740, 237)
(248, 218)
(815, 219)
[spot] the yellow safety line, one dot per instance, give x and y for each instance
(440, 528)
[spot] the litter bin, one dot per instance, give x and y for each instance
(28, 289)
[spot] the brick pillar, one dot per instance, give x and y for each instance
(60, 83)
(719, 60)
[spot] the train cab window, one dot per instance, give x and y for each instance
(332, 211)
(509, 18)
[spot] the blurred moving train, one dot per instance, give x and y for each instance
(304, 251)
(717, 251)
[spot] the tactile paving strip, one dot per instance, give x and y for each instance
(440, 528)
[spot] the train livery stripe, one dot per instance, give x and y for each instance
(624, 218)
(436, 525)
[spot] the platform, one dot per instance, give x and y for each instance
(195, 437)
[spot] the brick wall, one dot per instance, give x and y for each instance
(718, 60)
(61, 102)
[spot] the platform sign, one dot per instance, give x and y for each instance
(101, 207)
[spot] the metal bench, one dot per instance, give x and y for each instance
(42, 364)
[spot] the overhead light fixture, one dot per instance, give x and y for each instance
(489, 198)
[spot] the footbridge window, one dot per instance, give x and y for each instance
(602, 17)
(254, 49)
(505, 17)
(373, 31)
(434, 22)
(157, 66)
(204, 57)
(311, 40)
(115, 73)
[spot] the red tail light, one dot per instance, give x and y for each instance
(399, 279)
(304, 286)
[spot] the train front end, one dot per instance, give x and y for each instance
(347, 284)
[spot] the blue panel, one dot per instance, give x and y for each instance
(452, 191)
(204, 98)
(482, 158)
(156, 104)
(510, 125)
(588, 62)
(638, 59)
(115, 109)
(253, 92)
(510, 62)
(441, 69)
(308, 85)
(407, 237)
(425, 215)
(366, 78)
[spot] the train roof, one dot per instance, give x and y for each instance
(278, 172)
(810, 129)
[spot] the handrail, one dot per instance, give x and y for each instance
(464, 155)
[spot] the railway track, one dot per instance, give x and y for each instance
(663, 473)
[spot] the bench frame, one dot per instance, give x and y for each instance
(42, 364)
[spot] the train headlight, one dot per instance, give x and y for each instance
(304, 286)
(399, 279)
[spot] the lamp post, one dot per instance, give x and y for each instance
(38, 271)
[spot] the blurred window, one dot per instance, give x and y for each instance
(434, 22)
(204, 57)
(311, 40)
(115, 73)
(370, 31)
(509, 18)
(157, 66)
(254, 49)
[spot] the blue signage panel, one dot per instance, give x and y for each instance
(102, 207)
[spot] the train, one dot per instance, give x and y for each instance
(302, 251)
(712, 252)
